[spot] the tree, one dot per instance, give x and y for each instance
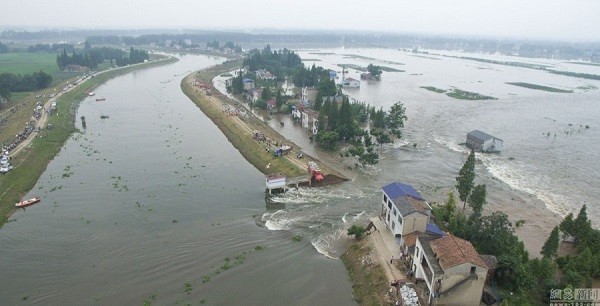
(357, 231)
(550, 248)
(465, 178)
(375, 71)
(582, 224)
(396, 117)
(327, 139)
(477, 198)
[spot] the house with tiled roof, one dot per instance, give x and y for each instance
(404, 210)
(451, 268)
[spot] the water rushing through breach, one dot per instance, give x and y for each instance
(153, 202)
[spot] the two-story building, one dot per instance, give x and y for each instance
(451, 268)
(404, 210)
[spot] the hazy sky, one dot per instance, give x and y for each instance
(553, 19)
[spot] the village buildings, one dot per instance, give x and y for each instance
(452, 270)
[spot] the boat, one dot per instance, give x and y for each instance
(28, 202)
(103, 116)
(100, 99)
(91, 94)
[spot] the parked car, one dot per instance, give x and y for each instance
(5, 168)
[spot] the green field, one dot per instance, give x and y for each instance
(27, 63)
(538, 87)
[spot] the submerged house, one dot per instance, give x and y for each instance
(480, 141)
(350, 82)
(451, 268)
(248, 84)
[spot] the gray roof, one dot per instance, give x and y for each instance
(481, 135)
(425, 243)
(407, 205)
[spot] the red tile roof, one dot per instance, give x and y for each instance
(452, 251)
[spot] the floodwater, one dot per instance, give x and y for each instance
(153, 202)
(547, 169)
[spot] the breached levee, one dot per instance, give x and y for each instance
(239, 125)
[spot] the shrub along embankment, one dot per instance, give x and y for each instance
(239, 129)
(33, 160)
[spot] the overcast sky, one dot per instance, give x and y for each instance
(549, 19)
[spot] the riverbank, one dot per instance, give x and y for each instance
(32, 161)
(238, 125)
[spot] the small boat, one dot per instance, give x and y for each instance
(100, 99)
(28, 202)
(103, 116)
(91, 94)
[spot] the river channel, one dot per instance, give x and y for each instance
(154, 204)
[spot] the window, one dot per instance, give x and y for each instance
(393, 225)
(384, 198)
(395, 211)
(399, 219)
(389, 205)
(417, 251)
(473, 270)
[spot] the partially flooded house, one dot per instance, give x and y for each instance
(483, 142)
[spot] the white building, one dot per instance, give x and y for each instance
(350, 82)
(404, 210)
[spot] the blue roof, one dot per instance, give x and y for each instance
(433, 229)
(395, 190)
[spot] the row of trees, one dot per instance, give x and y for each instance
(51, 47)
(531, 279)
(91, 57)
(10, 82)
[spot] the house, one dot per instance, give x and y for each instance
(248, 84)
(253, 94)
(296, 113)
(408, 241)
(350, 82)
(332, 75)
(263, 74)
(271, 104)
(308, 95)
(480, 141)
(229, 82)
(404, 210)
(451, 268)
(310, 120)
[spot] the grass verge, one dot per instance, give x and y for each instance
(370, 284)
(434, 89)
(33, 160)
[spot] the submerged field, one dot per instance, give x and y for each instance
(539, 87)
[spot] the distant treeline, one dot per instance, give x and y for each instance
(51, 47)
(10, 82)
(91, 57)
(3, 48)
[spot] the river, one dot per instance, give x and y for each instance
(153, 202)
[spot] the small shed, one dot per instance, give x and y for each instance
(275, 181)
(483, 142)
